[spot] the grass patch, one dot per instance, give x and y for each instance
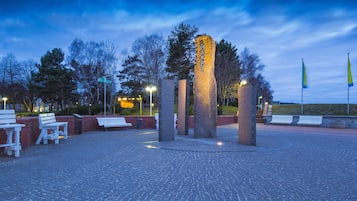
(315, 109)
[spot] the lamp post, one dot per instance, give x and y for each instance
(141, 105)
(150, 89)
(4, 99)
(260, 102)
(105, 81)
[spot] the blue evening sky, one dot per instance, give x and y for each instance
(281, 32)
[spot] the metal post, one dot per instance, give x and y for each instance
(105, 96)
(151, 89)
(141, 105)
(150, 102)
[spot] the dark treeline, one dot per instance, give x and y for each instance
(58, 81)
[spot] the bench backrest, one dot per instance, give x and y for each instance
(282, 118)
(46, 118)
(7, 117)
(310, 118)
(104, 120)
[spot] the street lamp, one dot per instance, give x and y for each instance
(4, 99)
(243, 82)
(140, 99)
(150, 89)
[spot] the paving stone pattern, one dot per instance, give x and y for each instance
(288, 163)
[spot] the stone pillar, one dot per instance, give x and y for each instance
(205, 89)
(166, 110)
(247, 115)
(183, 104)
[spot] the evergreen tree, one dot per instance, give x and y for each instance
(227, 70)
(181, 58)
(131, 77)
(53, 82)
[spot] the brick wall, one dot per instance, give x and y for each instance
(222, 120)
(31, 131)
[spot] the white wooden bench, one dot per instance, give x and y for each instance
(111, 122)
(51, 129)
(310, 120)
(8, 123)
(282, 119)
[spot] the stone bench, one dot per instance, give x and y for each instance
(111, 122)
(281, 119)
(310, 120)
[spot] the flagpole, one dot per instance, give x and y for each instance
(302, 88)
(348, 86)
(302, 100)
(348, 100)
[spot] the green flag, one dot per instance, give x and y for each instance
(304, 77)
(349, 76)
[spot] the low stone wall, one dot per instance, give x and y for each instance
(222, 120)
(339, 121)
(328, 121)
(31, 131)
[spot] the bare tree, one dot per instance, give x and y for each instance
(29, 95)
(12, 79)
(150, 51)
(251, 66)
(92, 60)
(145, 67)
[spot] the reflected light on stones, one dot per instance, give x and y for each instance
(151, 147)
(219, 143)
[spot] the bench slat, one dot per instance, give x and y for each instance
(7, 117)
(8, 121)
(4, 112)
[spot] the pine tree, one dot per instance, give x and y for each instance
(53, 82)
(181, 58)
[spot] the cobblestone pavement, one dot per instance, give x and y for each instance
(288, 163)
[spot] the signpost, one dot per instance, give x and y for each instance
(105, 81)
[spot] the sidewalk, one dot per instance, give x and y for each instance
(288, 163)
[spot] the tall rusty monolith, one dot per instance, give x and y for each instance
(182, 108)
(205, 88)
(166, 108)
(247, 115)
